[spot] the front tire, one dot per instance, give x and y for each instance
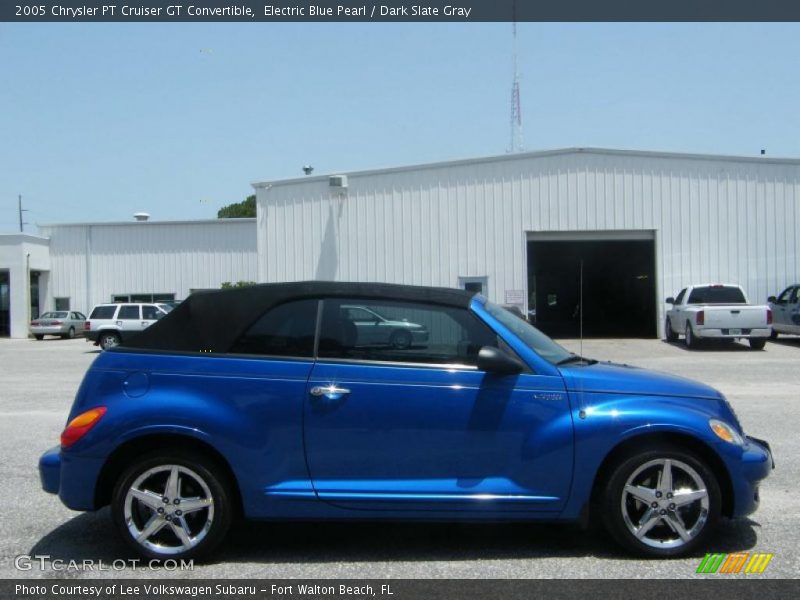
(773, 335)
(70, 334)
(757, 343)
(669, 334)
(172, 505)
(661, 502)
(400, 340)
(39, 337)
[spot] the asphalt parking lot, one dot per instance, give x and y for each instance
(39, 379)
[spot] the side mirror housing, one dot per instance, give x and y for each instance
(670, 300)
(495, 361)
(772, 299)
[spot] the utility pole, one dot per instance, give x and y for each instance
(517, 144)
(21, 210)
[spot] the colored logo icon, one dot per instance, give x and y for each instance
(738, 562)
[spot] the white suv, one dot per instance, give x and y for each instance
(109, 324)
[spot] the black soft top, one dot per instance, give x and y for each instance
(211, 321)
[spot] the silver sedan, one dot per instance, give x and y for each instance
(63, 323)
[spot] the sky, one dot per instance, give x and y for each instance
(98, 121)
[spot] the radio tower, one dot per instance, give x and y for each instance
(517, 144)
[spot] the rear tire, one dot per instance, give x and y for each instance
(669, 334)
(656, 516)
(109, 339)
(190, 523)
(691, 340)
(757, 343)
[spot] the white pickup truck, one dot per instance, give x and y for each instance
(717, 311)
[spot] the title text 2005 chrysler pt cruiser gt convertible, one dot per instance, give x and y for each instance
(266, 401)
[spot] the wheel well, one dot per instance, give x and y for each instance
(127, 452)
(686, 442)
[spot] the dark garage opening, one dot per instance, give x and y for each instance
(619, 287)
(5, 304)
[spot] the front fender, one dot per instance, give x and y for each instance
(606, 421)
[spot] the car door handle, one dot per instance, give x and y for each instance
(331, 392)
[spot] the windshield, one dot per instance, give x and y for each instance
(716, 294)
(530, 336)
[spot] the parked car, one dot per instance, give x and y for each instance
(110, 324)
(786, 311)
(62, 323)
(371, 327)
(261, 401)
(717, 311)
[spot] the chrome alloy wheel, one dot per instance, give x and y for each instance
(665, 503)
(169, 509)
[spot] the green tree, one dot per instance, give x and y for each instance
(239, 210)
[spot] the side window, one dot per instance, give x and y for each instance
(784, 297)
(103, 312)
(128, 312)
(151, 313)
(679, 299)
(795, 295)
(284, 330)
(80, 316)
(402, 332)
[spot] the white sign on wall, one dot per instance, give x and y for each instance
(515, 297)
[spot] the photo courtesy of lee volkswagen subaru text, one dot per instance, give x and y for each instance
(280, 401)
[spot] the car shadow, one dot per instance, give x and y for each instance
(91, 536)
(713, 346)
(789, 342)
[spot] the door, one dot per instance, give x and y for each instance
(781, 313)
(792, 314)
(421, 428)
(129, 319)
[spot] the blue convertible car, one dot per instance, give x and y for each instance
(266, 402)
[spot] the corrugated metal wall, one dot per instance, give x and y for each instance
(731, 220)
(90, 263)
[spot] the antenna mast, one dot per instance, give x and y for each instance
(517, 144)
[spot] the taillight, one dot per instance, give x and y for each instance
(57, 323)
(34, 323)
(700, 319)
(80, 425)
(87, 326)
(769, 317)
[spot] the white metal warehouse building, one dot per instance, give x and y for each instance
(519, 226)
(529, 229)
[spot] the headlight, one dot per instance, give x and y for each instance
(725, 432)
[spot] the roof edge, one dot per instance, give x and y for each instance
(526, 155)
(150, 223)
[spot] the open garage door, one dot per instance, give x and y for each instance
(619, 286)
(5, 304)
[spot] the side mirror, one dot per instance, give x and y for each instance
(772, 299)
(493, 360)
(670, 300)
